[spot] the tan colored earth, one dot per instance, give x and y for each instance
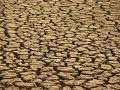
(59, 44)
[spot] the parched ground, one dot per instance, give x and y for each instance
(59, 44)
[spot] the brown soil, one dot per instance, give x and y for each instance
(59, 44)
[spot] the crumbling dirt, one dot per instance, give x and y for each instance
(59, 44)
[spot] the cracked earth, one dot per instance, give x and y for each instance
(59, 44)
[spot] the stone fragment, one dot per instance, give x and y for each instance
(78, 82)
(67, 88)
(78, 88)
(49, 37)
(87, 72)
(84, 77)
(2, 30)
(53, 77)
(114, 80)
(112, 58)
(22, 84)
(94, 83)
(69, 35)
(49, 84)
(70, 60)
(37, 88)
(106, 67)
(65, 75)
(77, 1)
(11, 25)
(12, 88)
(65, 69)
(7, 74)
(28, 77)
(116, 86)
(101, 55)
(99, 88)
(81, 49)
(54, 87)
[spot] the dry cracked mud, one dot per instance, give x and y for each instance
(59, 44)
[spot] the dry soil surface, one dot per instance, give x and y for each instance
(59, 44)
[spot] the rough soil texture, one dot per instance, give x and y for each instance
(59, 44)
